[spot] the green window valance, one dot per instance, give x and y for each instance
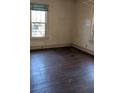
(39, 7)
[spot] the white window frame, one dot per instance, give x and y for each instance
(46, 27)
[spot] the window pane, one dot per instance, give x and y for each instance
(38, 16)
(38, 23)
(38, 29)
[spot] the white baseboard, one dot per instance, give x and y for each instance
(83, 49)
(50, 46)
(35, 47)
(62, 45)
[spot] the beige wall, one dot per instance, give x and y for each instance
(69, 21)
(83, 31)
(60, 22)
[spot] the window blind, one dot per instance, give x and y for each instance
(39, 7)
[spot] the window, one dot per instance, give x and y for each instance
(38, 20)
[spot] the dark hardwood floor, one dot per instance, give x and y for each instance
(61, 70)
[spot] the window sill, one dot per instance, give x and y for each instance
(38, 38)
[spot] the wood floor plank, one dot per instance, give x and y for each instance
(61, 70)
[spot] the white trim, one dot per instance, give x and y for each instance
(83, 49)
(46, 26)
(50, 46)
(62, 45)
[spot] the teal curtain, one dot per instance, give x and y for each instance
(39, 7)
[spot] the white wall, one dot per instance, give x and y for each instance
(83, 31)
(60, 22)
(69, 21)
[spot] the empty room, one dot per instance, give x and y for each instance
(62, 46)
